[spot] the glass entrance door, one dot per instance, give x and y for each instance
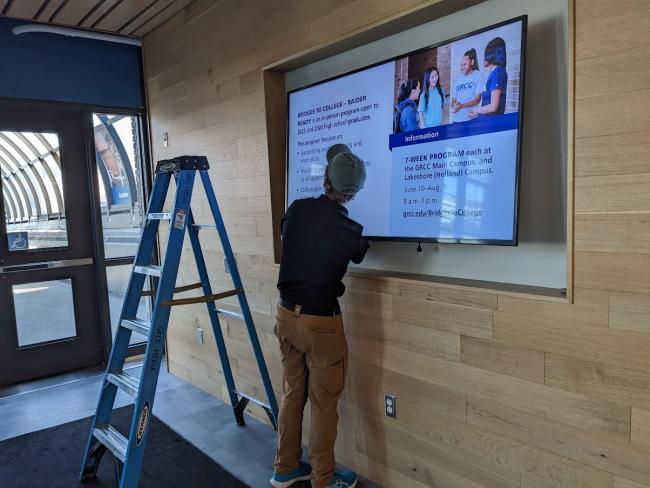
(50, 291)
(121, 185)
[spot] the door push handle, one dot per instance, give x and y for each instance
(65, 263)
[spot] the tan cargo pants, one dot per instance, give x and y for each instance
(314, 359)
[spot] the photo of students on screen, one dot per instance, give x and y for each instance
(466, 88)
(493, 97)
(432, 100)
(405, 117)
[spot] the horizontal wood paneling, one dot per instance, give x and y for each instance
(614, 154)
(515, 361)
(620, 20)
(613, 271)
(624, 70)
(589, 307)
(641, 427)
(610, 456)
(451, 318)
(494, 388)
(606, 381)
(441, 344)
(629, 311)
(428, 461)
(602, 233)
(625, 483)
(613, 193)
(538, 467)
(367, 383)
(615, 347)
(447, 294)
(603, 416)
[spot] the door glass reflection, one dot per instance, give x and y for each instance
(117, 153)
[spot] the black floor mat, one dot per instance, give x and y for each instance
(51, 458)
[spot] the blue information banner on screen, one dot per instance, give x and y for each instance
(439, 133)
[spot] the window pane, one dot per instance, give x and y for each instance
(52, 299)
(117, 148)
(118, 281)
(32, 190)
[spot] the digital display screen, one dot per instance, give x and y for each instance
(439, 132)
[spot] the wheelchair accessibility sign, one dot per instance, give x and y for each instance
(18, 241)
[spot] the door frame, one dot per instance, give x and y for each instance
(100, 263)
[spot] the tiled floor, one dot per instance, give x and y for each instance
(203, 420)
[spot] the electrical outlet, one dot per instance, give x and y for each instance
(390, 405)
(199, 335)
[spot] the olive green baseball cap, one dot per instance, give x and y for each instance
(345, 170)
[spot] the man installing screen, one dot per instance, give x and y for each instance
(318, 242)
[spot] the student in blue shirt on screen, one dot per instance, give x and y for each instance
(407, 109)
(493, 98)
(433, 100)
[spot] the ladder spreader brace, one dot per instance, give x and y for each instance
(129, 451)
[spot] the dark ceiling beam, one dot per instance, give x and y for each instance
(138, 15)
(40, 11)
(90, 12)
(58, 11)
(107, 13)
(5, 10)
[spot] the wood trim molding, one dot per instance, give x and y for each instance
(276, 106)
(275, 101)
(570, 180)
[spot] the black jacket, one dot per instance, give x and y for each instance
(318, 242)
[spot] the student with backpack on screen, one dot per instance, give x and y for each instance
(405, 117)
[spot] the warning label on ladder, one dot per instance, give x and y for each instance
(179, 219)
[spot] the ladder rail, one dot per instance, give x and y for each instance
(212, 311)
(153, 357)
(130, 305)
(243, 302)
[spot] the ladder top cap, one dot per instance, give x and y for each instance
(182, 163)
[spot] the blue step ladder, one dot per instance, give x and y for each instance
(129, 451)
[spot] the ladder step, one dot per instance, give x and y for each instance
(112, 439)
(160, 216)
(125, 382)
(265, 406)
(148, 270)
(137, 325)
(228, 313)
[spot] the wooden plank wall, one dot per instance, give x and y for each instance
(494, 389)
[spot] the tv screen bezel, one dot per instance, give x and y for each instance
(522, 74)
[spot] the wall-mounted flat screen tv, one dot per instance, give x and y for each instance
(439, 130)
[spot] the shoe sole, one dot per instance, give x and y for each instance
(353, 484)
(287, 484)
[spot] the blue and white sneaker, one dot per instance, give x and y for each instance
(346, 479)
(301, 473)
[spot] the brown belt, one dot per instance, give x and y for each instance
(308, 310)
